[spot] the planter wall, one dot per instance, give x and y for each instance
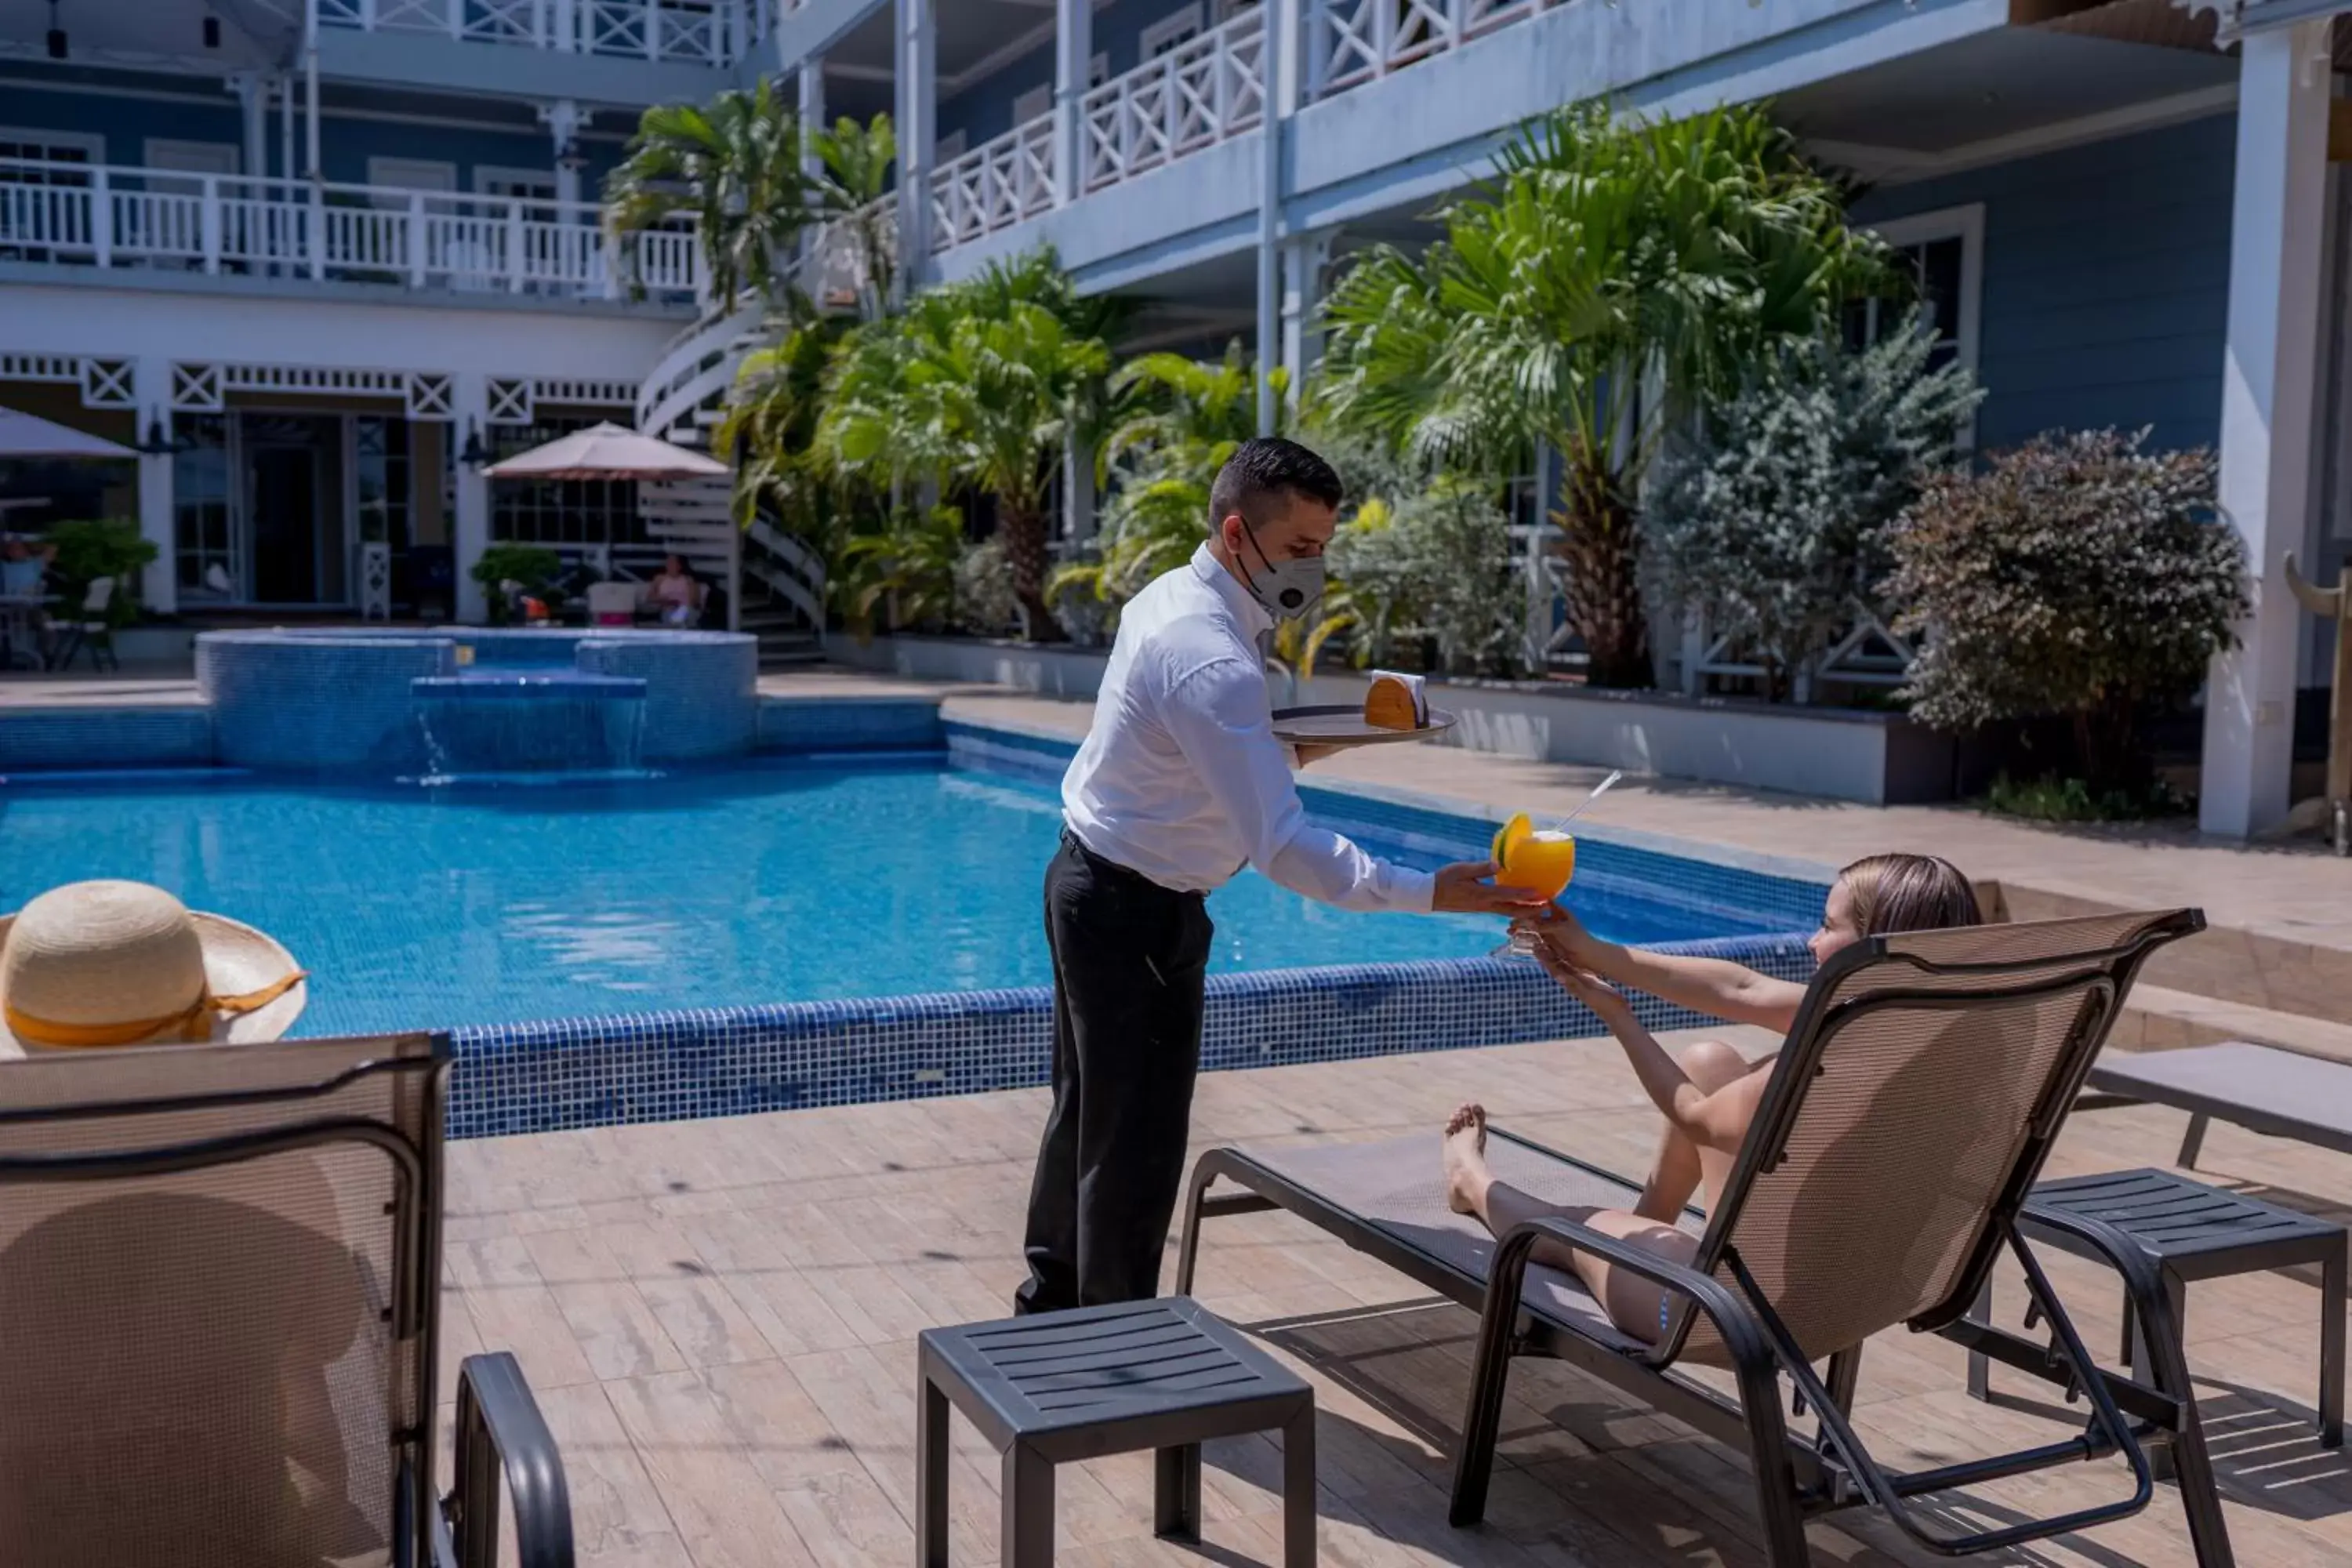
(1880, 758)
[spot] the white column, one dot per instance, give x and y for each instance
(563, 119)
(151, 392)
(1078, 492)
(469, 530)
(918, 126)
(253, 98)
(1074, 52)
(810, 82)
(2268, 384)
(1278, 62)
(1304, 259)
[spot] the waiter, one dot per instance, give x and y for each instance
(1179, 784)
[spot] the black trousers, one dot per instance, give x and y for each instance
(1130, 960)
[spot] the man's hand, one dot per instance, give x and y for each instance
(1463, 890)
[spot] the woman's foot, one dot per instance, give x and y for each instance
(1466, 1176)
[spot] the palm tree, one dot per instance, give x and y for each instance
(736, 168)
(979, 383)
(1617, 272)
(1182, 419)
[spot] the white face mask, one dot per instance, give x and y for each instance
(1289, 589)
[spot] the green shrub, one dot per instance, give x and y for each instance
(2057, 798)
(94, 548)
(534, 566)
(2076, 577)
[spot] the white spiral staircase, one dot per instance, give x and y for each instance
(775, 583)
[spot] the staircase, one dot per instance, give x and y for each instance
(775, 584)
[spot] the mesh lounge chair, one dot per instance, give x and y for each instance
(219, 1315)
(1910, 1112)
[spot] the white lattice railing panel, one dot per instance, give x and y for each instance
(1205, 91)
(698, 32)
(117, 216)
(1350, 42)
(994, 185)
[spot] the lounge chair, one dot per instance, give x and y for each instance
(219, 1316)
(1909, 1113)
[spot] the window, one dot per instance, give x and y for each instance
(1172, 31)
(951, 147)
(49, 147)
(526, 185)
(410, 175)
(1038, 101)
(559, 511)
(1945, 250)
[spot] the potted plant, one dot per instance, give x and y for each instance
(531, 568)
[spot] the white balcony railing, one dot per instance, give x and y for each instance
(694, 32)
(1205, 91)
(79, 214)
(994, 185)
(1350, 42)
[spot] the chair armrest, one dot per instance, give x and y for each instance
(501, 1434)
(1742, 1335)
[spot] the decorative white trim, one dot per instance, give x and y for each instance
(584, 392)
(196, 389)
(66, 368)
(431, 396)
(106, 384)
(509, 402)
(203, 388)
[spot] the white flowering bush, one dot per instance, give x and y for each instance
(1770, 511)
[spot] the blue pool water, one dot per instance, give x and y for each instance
(733, 887)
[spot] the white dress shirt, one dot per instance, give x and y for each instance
(1181, 777)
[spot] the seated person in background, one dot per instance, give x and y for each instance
(1710, 1095)
(22, 567)
(676, 594)
(167, 1346)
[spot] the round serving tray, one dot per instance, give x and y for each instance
(1342, 724)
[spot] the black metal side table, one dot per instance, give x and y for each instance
(1063, 1387)
(2191, 1231)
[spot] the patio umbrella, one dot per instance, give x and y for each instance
(29, 436)
(607, 451)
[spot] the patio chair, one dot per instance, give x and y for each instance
(1907, 1117)
(89, 630)
(219, 1318)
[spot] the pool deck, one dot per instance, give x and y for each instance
(719, 1320)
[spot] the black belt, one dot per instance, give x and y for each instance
(1126, 876)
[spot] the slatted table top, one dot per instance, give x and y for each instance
(2178, 1219)
(1102, 1366)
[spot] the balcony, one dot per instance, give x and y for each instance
(686, 32)
(79, 216)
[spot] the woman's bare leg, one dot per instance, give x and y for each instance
(1633, 1303)
(1678, 1171)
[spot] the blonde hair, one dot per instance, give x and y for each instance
(1909, 892)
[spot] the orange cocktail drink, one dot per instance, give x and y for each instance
(1539, 861)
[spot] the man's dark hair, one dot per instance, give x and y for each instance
(1266, 468)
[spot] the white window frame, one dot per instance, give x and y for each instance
(1097, 73)
(486, 174)
(157, 152)
(380, 166)
(1965, 223)
(1172, 31)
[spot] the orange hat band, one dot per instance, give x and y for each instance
(193, 1023)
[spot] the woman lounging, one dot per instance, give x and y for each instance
(1710, 1095)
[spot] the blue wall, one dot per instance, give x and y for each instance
(345, 144)
(984, 109)
(2106, 273)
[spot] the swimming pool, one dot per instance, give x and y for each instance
(742, 886)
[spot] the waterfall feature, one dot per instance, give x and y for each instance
(541, 723)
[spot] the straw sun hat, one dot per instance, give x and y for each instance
(122, 963)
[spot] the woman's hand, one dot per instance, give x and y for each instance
(1558, 931)
(1587, 987)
